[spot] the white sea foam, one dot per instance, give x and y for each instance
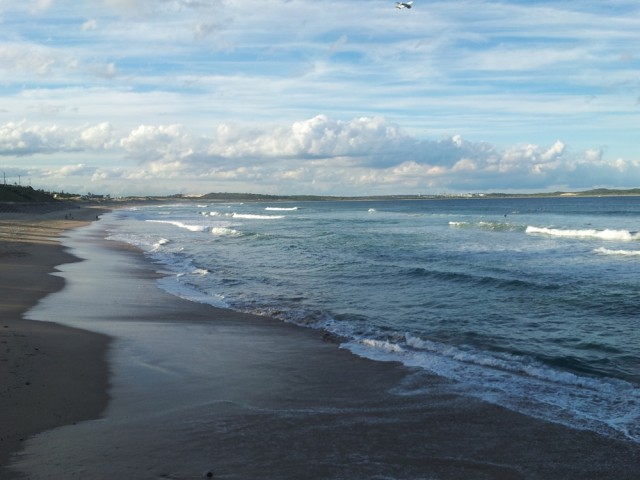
(616, 235)
(282, 209)
(609, 406)
(485, 225)
(163, 241)
(225, 232)
(629, 253)
(191, 228)
(174, 286)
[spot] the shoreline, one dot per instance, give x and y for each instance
(197, 389)
(44, 385)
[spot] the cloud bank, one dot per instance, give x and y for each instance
(366, 155)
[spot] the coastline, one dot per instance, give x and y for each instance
(52, 375)
(197, 389)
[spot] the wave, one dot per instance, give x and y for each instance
(491, 226)
(225, 232)
(172, 284)
(614, 235)
(157, 245)
(472, 279)
(191, 228)
(282, 209)
(606, 251)
(245, 216)
(520, 383)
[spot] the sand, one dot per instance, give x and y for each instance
(194, 389)
(50, 375)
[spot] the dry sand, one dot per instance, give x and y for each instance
(50, 375)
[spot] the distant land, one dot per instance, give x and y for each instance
(599, 192)
(20, 194)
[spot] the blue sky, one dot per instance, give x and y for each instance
(320, 97)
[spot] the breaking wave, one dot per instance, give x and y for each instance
(191, 228)
(490, 226)
(245, 216)
(225, 232)
(608, 406)
(250, 216)
(627, 253)
(614, 235)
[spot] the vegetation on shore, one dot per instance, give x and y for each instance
(15, 193)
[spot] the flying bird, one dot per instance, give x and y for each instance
(401, 5)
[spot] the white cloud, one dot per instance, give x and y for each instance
(24, 139)
(313, 155)
(129, 7)
(21, 139)
(465, 165)
(31, 59)
(89, 25)
(41, 5)
(98, 137)
(157, 144)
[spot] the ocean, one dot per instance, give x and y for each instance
(529, 303)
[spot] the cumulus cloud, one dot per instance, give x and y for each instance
(363, 155)
(365, 152)
(99, 137)
(164, 143)
(24, 139)
(317, 137)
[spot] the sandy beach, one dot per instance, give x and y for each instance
(51, 375)
(191, 391)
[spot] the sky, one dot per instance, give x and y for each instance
(349, 97)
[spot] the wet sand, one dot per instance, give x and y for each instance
(50, 375)
(195, 389)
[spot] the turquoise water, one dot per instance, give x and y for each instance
(533, 304)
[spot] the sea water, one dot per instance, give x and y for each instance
(529, 303)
